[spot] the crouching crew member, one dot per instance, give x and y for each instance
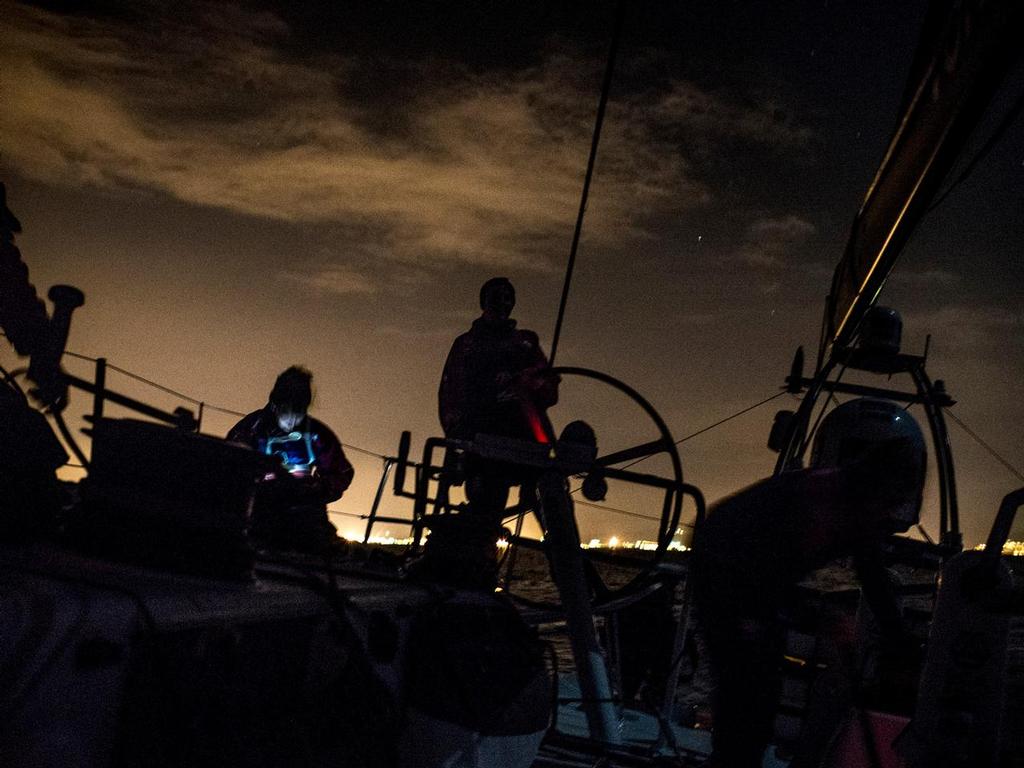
(864, 484)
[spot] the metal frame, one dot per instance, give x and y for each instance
(932, 395)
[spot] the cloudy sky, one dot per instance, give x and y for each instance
(240, 187)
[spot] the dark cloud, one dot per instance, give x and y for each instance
(977, 330)
(487, 169)
(338, 280)
(775, 242)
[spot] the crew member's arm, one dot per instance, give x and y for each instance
(453, 395)
(333, 468)
(245, 430)
(536, 377)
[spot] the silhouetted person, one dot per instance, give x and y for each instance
(290, 509)
(496, 381)
(756, 545)
(30, 496)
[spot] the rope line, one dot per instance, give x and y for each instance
(220, 409)
(626, 513)
(730, 418)
(606, 87)
(358, 449)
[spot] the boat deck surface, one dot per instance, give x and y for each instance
(645, 738)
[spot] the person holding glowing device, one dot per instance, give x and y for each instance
(290, 509)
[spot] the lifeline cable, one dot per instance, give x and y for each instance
(195, 401)
(143, 379)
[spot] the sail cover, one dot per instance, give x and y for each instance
(965, 49)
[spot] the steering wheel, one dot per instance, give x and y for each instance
(673, 486)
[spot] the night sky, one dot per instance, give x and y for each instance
(237, 188)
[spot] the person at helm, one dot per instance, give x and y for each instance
(865, 483)
(496, 381)
(290, 509)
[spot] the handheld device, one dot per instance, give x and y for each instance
(295, 450)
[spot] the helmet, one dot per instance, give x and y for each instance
(883, 448)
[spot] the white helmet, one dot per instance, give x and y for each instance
(886, 442)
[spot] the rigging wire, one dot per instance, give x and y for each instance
(718, 423)
(1016, 472)
(924, 533)
(365, 451)
(598, 122)
(708, 428)
(992, 451)
(821, 415)
(682, 440)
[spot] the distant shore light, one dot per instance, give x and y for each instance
(1013, 548)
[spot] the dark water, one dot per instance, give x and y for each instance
(531, 577)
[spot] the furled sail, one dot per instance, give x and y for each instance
(966, 48)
